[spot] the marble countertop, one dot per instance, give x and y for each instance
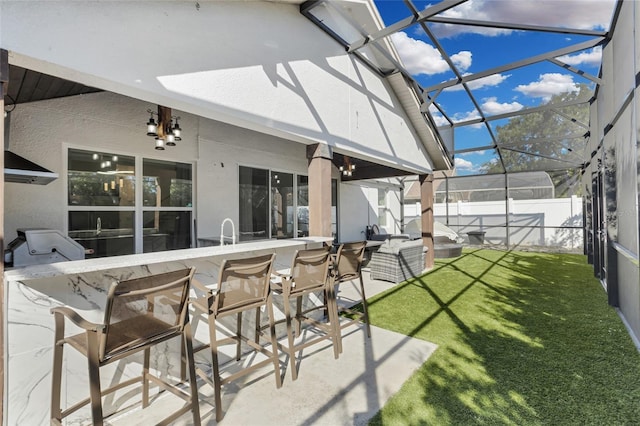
(104, 263)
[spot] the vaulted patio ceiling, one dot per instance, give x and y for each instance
(30, 86)
(367, 169)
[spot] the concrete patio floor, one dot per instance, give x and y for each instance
(344, 391)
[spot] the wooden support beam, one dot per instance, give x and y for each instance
(320, 166)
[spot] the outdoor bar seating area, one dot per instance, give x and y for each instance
(139, 322)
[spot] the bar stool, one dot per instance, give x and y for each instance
(243, 285)
(348, 267)
(139, 314)
(309, 274)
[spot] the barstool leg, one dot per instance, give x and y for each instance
(56, 374)
(291, 348)
(191, 365)
(95, 392)
(365, 307)
(334, 321)
(145, 378)
(215, 367)
(274, 342)
(238, 337)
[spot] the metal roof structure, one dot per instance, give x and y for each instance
(556, 128)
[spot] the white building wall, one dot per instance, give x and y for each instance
(356, 211)
(42, 131)
(258, 65)
(359, 209)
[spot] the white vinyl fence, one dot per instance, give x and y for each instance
(553, 222)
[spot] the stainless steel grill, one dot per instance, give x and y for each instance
(41, 246)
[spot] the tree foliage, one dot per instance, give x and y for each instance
(552, 139)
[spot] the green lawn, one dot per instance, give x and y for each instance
(524, 338)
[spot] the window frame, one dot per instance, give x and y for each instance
(138, 208)
(270, 171)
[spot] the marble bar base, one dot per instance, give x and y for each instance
(31, 292)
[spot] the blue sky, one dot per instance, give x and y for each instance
(476, 49)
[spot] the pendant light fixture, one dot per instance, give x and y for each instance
(348, 168)
(167, 130)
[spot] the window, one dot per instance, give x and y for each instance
(167, 193)
(102, 206)
(382, 207)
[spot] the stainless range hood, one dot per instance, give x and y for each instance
(18, 169)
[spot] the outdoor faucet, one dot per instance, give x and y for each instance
(233, 232)
(98, 226)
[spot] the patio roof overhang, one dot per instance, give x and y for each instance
(27, 85)
(367, 169)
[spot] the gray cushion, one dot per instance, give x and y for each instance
(394, 246)
(397, 260)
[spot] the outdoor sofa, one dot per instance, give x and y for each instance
(397, 260)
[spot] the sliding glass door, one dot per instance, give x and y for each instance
(281, 205)
(275, 204)
(254, 203)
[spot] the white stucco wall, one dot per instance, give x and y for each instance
(223, 148)
(359, 208)
(107, 122)
(41, 131)
(258, 65)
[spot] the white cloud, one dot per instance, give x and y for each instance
(591, 57)
(481, 83)
(439, 119)
(479, 152)
(548, 85)
(491, 106)
(466, 116)
(462, 164)
(462, 59)
(419, 57)
(583, 14)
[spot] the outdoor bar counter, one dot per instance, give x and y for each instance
(31, 292)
